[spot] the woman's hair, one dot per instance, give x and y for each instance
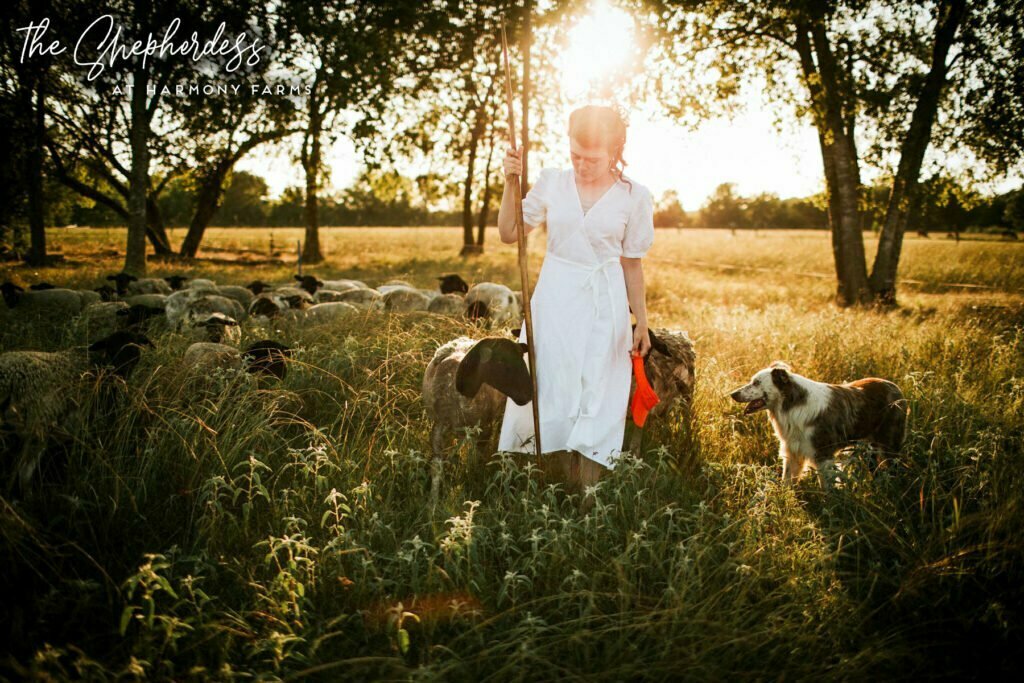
(600, 126)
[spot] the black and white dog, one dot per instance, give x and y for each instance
(813, 419)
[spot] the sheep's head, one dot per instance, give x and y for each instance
(264, 306)
(215, 324)
(175, 281)
(309, 283)
(453, 283)
(498, 362)
(120, 350)
(121, 281)
(11, 293)
(267, 357)
(106, 292)
(257, 287)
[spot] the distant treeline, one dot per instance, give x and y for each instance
(389, 199)
(943, 206)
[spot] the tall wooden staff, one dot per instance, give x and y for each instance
(524, 275)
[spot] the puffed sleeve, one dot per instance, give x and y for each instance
(536, 201)
(639, 234)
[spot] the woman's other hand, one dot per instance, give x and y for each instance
(641, 340)
(514, 162)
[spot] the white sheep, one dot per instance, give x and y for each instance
(214, 327)
(465, 385)
(329, 312)
(38, 390)
(402, 300)
(448, 304)
(493, 302)
(240, 294)
(187, 305)
(57, 303)
(343, 285)
(361, 297)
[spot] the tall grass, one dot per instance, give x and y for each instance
(224, 527)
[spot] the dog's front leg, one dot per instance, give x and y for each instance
(787, 464)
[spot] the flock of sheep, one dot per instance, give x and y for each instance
(464, 384)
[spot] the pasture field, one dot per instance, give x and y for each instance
(284, 530)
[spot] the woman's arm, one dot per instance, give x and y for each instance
(633, 270)
(507, 215)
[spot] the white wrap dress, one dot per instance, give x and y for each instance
(581, 320)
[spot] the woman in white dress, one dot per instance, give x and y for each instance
(599, 225)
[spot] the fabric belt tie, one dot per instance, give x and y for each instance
(592, 270)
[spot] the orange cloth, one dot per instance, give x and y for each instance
(644, 397)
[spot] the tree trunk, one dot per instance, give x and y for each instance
(839, 157)
(156, 232)
(311, 165)
(211, 191)
(135, 252)
(468, 243)
(905, 184)
(37, 226)
(485, 204)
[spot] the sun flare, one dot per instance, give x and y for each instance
(599, 45)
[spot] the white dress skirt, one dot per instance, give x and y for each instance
(581, 320)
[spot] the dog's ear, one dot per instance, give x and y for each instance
(780, 377)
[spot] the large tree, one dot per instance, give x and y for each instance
(880, 82)
(350, 53)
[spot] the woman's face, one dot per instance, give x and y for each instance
(591, 164)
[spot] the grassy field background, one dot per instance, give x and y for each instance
(284, 531)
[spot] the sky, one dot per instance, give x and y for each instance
(746, 150)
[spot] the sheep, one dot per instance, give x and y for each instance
(448, 304)
(58, 303)
(465, 385)
(491, 301)
(175, 281)
(257, 287)
(402, 300)
(240, 294)
(262, 357)
(669, 367)
(188, 304)
(309, 283)
(128, 284)
(450, 284)
(202, 284)
(329, 312)
(215, 327)
(391, 284)
(343, 285)
(326, 296)
(137, 316)
(106, 292)
(271, 304)
(101, 319)
(37, 390)
(361, 297)
(148, 300)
